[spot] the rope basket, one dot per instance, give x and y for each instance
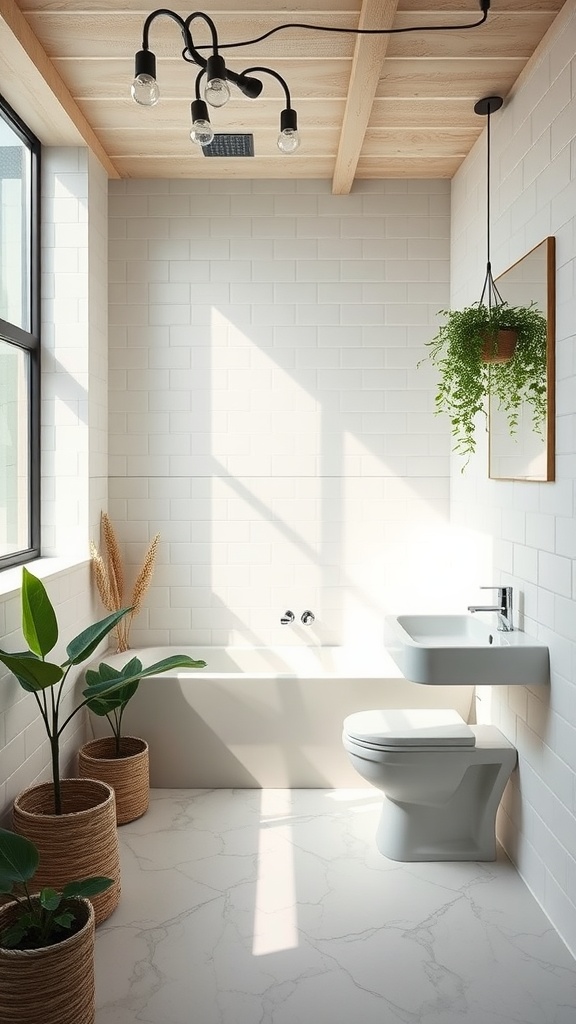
(54, 985)
(129, 774)
(79, 843)
(499, 347)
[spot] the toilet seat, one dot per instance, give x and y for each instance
(408, 729)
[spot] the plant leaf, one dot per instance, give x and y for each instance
(11, 936)
(39, 624)
(175, 661)
(103, 706)
(31, 673)
(108, 672)
(50, 899)
(83, 645)
(65, 919)
(87, 886)
(18, 857)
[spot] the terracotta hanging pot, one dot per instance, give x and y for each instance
(53, 984)
(80, 843)
(128, 774)
(499, 346)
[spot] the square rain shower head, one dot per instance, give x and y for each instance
(230, 145)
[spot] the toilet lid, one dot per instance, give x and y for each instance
(409, 727)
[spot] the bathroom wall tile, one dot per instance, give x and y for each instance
(526, 563)
(530, 149)
(540, 531)
(555, 573)
(290, 396)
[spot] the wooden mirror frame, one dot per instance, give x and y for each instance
(549, 441)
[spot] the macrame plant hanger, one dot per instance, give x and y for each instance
(490, 294)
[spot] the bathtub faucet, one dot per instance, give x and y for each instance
(503, 608)
(287, 618)
(307, 617)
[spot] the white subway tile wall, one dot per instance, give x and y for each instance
(267, 413)
(97, 347)
(530, 527)
(74, 346)
(74, 448)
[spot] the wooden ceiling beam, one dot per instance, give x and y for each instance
(33, 87)
(369, 54)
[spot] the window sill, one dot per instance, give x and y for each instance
(43, 568)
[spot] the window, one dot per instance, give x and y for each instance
(19, 341)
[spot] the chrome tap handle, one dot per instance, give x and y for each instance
(504, 594)
(307, 617)
(287, 618)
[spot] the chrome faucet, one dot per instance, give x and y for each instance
(287, 618)
(307, 617)
(503, 609)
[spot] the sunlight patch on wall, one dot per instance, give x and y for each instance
(264, 421)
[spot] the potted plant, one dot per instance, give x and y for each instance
(471, 352)
(46, 942)
(72, 821)
(121, 761)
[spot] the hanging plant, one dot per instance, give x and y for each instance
(460, 350)
(469, 349)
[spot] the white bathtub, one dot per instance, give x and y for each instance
(265, 717)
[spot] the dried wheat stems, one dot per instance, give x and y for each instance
(108, 572)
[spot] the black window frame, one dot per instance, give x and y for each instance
(29, 341)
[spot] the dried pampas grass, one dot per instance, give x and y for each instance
(108, 573)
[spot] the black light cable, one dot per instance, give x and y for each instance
(484, 7)
(485, 107)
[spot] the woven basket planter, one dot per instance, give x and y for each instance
(501, 348)
(80, 843)
(54, 985)
(129, 774)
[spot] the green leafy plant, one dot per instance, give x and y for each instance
(113, 705)
(46, 680)
(47, 918)
(466, 379)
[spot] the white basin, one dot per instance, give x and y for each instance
(456, 650)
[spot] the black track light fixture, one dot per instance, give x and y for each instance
(218, 77)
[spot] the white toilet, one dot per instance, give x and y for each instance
(442, 781)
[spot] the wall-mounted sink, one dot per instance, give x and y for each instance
(463, 650)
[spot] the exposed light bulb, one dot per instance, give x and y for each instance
(217, 92)
(201, 132)
(145, 90)
(288, 140)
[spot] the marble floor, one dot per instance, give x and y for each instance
(275, 907)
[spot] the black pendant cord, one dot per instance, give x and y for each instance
(489, 291)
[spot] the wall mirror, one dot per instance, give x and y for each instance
(528, 455)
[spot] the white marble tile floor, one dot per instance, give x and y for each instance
(275, 907)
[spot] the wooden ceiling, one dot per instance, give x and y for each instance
(388, 106)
